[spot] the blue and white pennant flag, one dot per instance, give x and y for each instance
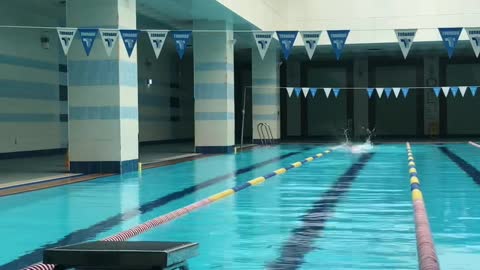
(396, 91)
(130, 38)
(405, 39)
(405, 91)
(313, 91)
(310, 39)
(181, 41)
(87, 36)
(338, 38)
(463, 90)
(157, 39)
(263, 40)
(370, 92)
(474, 36)
(289, 91)
(287, 39)
(305, 91)
(109, 38)
(327, 91)
(450, 38)
(66, 36)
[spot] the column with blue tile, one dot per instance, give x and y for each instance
(265, 91)
(214, 89)
(103, 91)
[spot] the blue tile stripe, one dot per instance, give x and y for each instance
(103, 113)
(102, 72)
(265, 99)
(29, 117)
(214, 66)
(26, 62)
(28, 90)
(204, 116)
(265, 117)
(214, 91)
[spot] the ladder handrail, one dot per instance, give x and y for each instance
(261, 135)
(269, 132)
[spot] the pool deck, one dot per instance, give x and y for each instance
(19, 175)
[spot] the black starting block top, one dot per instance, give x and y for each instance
(121, 255)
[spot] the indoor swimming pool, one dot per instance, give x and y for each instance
(341, 211)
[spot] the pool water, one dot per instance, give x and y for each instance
(342, 211)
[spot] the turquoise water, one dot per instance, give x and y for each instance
(343, 211)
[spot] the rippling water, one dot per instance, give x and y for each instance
(348, 210)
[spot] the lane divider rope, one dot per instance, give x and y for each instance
(139, 229)
(427, 257)
(474, 144)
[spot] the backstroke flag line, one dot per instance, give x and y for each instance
(157, 39)
(109, 38)
(310, 39)
(405, 40)
(474, 36)
(263, 40)
(450, 38)
(66, 36)
(287, 39)
(338, 39)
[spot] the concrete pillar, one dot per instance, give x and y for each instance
(214, 90)
(294, 106)
(265, 92)
(431, 105)
(360, 97)
(103, 92)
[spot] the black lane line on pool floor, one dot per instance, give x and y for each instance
(463, 164)
(301, 241)
(91, 232)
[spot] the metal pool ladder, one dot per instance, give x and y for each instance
(265, 133)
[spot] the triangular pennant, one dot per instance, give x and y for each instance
(463, 90)
(109, 38)
(405, 91)
(454, 91)
(87, 36)
(287, 39)
(405, 39)
(130, 38)
(379, 92)
(338, 39)
(289, 91)
(336, 91)
(310, 39)
(370, 92)
(297, 91)
(437, 90)
(388, 92)
(450, 38)
(474, 36)
(263, 40)
(396, 91)
(157, 39)
(305, 91)
(445, 90)
(181, 41)
(66, 36)
(473, 89)
(327, 91)
(313, 91)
